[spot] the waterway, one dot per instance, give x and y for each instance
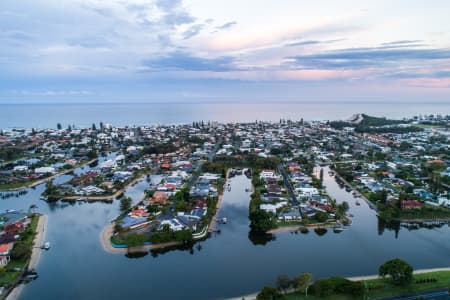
(228, 264)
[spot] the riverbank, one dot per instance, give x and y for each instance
(292, 294)
(39, 181)
(38, 241)
(213, 222)
(35, 255)
(299, 227)
(361, 195)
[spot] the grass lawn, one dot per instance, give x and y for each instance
(16, 185)
(426, 212)
(383, 288)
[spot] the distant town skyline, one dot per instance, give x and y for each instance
(224, 51)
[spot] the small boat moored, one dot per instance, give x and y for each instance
(46, 246)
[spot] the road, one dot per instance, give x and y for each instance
(288, 185)
(200, 164)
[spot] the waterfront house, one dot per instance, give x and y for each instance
(138, 213)
(174, 224)
(293, 214)
(5, 249)
(272, 207)
(411, 204)
(134, 222)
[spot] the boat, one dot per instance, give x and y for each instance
(224, 220)
(45, 198)
(338, 229)
(46, 246)
(31, 275)
(247, 190)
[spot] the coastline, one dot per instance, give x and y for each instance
(352, 278)
(35, 255)
(292, 228)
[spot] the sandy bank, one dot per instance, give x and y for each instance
(105, 237)
(35, 254)
(299, 227)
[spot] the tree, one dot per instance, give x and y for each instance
(125, 204)
(321, 216)
(261, 221)
(181, 205)
(283, 282)
(399, 270)
(58, 126)
(134, 240)
(302, 282)
(268, 293)
(21, 251)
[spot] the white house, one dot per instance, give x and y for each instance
(44, 170)
(307, 191)
(267, 174)
(272, 207)
(174, 224)
(20, 168)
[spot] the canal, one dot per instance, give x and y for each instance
(228, 264)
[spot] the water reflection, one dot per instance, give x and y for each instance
(77, 259)
(261, 239)
(136, 254)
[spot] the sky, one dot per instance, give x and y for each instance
(224, 51)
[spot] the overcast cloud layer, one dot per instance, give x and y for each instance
(258, 50)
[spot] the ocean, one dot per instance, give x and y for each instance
(121, 114)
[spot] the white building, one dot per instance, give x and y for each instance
(44, 170)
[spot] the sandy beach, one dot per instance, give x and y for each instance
(35, 255)
(38, 241)
(106, 234)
